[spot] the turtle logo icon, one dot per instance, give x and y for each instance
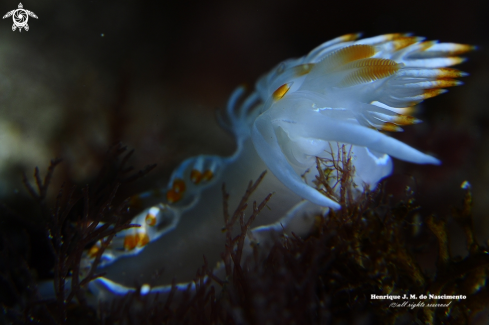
(20, 17)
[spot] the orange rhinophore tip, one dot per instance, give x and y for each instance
(92, 252)
(281, 91)
(450, 73)
(423, 46)
(172, 196)
(390, 127)
(441, 83)
(465, 48)
(176, 193)
(130, 242)
(142, 239)
(456, 49)
(151, 217)
(407, 110)
(178, 185)
(350, 37)
(393, 36)
(428, 93)
(207, 176)
(195, 176)
(405, 120)
(150, 220)
(403, 42)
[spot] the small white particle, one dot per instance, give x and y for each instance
(465, 185)
(145, 288)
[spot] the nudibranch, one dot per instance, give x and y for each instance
(345, 92)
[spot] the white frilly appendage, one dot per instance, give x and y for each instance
(344, 92)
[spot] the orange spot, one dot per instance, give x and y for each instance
(150, 219)
(428, 93)
(92, 252)
(195, 176)
(392, 36)
(449, 73)
(281, 91)
(172, 196)
(136, 240)
(350, 37)
(405, 120)
(303, 69)
(403, 42)
(461, 48)
(142, 239)
(176, 192)
(178, 185)
(423, 46)
(207, 176)
(455, 60)
(390, 127)
(407, 110)
(440, 83)
(130, 242)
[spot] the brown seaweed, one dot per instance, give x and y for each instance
(371, 246)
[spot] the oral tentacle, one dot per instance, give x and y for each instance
(268, 148)
(315, 125)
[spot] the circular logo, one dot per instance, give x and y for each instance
(20, 18)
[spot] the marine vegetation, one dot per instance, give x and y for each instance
(371, 246)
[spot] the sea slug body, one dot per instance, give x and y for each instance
(340, 95)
